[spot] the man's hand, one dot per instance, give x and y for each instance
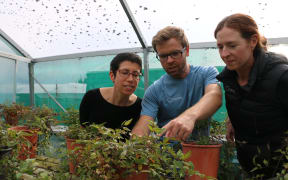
(180, 128)
(142, 126)
(230, 134)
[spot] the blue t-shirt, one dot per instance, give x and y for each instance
(167, 97)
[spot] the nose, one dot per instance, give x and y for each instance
(130, 77)
(169, 59)
(225, 52)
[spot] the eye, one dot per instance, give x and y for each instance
(232, 46)
(220, 46)
(125, 72)
(176, 53)
(162, 55)
(136, 74)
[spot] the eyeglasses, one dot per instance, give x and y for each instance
(124, 73)
(175, 55)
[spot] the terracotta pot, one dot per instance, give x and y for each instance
(71, 145)
(25, 151)
(134, 175)
(11, 119)
(204, 157)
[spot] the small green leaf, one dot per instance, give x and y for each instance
(127, 122)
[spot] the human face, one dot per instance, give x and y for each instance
(123, 83)
(235, 51)
(175, 67)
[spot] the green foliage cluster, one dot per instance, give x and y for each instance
(283, 175)
(14, 112)
(228, 168)
(216, 134)
(9, 163)
(110, 156)
(281, 157)
(38, 118)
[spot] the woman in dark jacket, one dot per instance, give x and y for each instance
(256, 91)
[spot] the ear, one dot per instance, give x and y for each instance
(112, 76)
(254, 40)
(187, 50)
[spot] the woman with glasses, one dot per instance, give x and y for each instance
(256, 85)
(114, 105)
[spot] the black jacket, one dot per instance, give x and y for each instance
(257, 112)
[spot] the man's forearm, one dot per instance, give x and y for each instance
(142, 126)
(206, 107)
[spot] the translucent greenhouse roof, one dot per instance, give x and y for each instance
(46, 28)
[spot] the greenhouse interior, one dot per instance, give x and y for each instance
(53, 52)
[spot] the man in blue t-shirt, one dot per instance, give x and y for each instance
(182, 96)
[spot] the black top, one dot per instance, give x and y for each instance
(259, 110)
(95, 109)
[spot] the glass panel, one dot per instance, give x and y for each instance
(22, 80)
(7, 67)
(6, 47)
(47, 28)
(281, 49)
(199, 18)
(68, 80)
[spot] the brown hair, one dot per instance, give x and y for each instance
(167, 33)
(244, 24)
(264, 43)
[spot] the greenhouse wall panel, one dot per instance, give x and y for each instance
(7, 76)
(7, 47)
(22, 83)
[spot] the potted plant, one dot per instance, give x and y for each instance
(7, 143)
(34, 122)
(8, 152)
(109, 156)
(12, 113)
(76, 136)
(205, 151)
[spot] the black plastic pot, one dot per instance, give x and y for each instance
(4, 150)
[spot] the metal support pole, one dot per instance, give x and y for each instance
(31, 84)
(49, 94)
(146, 68)
(14, 82)
(133, 23)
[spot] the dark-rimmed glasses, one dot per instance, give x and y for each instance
(124, 73)
(175, 55)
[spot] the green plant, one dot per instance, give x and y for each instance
(229, 168)
(6, 139)
(31, 120)
(70, 117)
(216, 133)
(104, 153)
(9, 163)
(75, 129)
(12, 113)
(283, 174)
(109, 156)
(279, 159)
(40, 119)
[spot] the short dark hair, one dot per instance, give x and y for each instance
(244, 24)
(119, 58)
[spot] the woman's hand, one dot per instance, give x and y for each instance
(230, 134)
